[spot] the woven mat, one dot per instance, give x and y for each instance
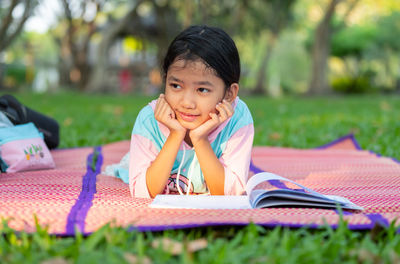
(76, 197)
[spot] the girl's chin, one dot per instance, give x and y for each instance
(189, 125)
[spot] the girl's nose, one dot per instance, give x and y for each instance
(188, 100)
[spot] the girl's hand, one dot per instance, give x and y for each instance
(164, 114)
(225, 111)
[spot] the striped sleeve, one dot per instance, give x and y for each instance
(142, 154)
(236, 160)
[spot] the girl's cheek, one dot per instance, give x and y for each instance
(215, 111)
(168, 98)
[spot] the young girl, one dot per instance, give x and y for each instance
(196, 138)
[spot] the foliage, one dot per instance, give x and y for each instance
(353, 40)
(15, 75)
(38, 46)
(375, 48)
(357, 39)
(81, 48)
(389, 29)
(350, 84)
(290, 63)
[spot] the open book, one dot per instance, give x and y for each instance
(257, 198)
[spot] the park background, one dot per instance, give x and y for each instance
(312, 71)
(300, 47)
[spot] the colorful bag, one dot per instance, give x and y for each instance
(22, 148)
(19, 114)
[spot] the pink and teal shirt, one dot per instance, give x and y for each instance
(231, 141)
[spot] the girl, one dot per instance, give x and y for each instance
(196, 138)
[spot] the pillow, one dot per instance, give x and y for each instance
(22, 148)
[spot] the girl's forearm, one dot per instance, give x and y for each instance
(160, 169)
(213, 171)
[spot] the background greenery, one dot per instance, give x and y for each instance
(286, 46)
(88, 120)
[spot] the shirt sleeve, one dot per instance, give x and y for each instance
(236, 160)
(142, 154)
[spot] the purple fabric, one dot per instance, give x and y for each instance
(276, 183)
(77, 215)
(349, 136)
(378, 219)
(343, 212)
(266, 225)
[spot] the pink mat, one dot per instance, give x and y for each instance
(74, 196)
(47, 194)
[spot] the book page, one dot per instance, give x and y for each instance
(201, 202)
(266, 176)
(263, 198)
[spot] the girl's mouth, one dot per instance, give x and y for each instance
(187, 117)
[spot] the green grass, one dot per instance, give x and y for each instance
(89, 120)
(251, 244)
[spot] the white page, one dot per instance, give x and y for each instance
(201, 202)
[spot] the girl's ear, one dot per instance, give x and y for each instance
(232, 92)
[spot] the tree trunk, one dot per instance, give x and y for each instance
(261, 86)
(320, 53)
(98, 79)
(9, 28)
(160, 33)
(188, 14)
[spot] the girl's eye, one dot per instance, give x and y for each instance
(203, 90)
(175, 86)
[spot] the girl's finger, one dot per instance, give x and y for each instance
(228, 107)
(162, 110)
(165, 110)
(159, 103)
(171, 113)
(214, 117)
(222, 112)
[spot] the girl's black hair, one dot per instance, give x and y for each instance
(212, 45)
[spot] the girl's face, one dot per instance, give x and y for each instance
(193, 90)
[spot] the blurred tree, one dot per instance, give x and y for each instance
(11, 25)
(74, 42)
(321, 51)
(164, 19)
(369, 49)
(274, 16)
(350, 44)
(228, 14)
(151, 20)
(389, 45)
(30, 54)
(157, 22)
(321, 48)
(354, 40)
(260, 22)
